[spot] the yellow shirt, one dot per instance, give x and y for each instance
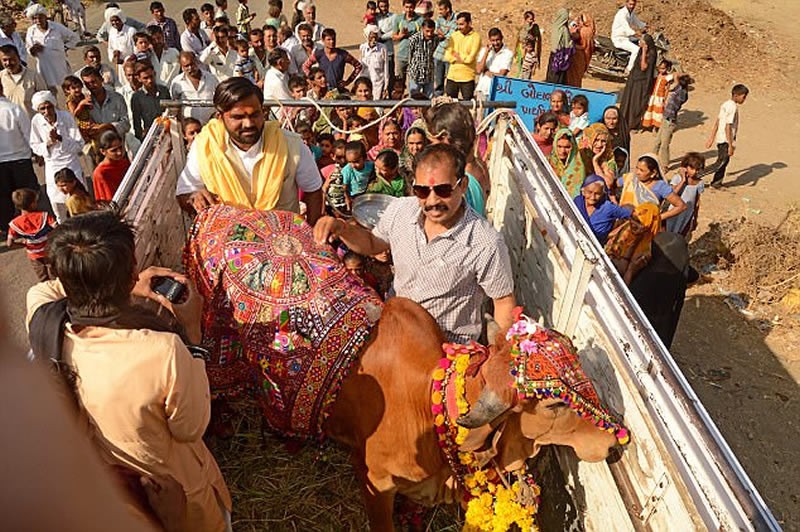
(149, 402)
(467, 47)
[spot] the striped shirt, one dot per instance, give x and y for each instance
(32, 227)
(451, 275)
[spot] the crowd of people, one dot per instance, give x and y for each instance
(312, 160)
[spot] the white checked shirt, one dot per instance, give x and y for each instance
(452, 274)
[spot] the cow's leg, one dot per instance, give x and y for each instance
(378, 504)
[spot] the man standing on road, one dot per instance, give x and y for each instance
(219, 56)
(48, 42)
(193, 83)
(310, 18)
(172, 38)
(146, 102)
(9, 35)
(19, 83)
(447, 257)
(384, 19)
(494, 60)
(445, 26)
(241, 159)
(301, 53)
(420, 59)
(461, 54)
(193, 39)
(16, 169)
(625, 28)
(108, 107)
(724, 131)
(405, 24)
(164, 59)
(276, 80)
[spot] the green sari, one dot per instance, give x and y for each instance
(572, 172)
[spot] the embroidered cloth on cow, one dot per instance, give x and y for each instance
(547, 365)
(280, 309)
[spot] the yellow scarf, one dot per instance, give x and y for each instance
(225, 177)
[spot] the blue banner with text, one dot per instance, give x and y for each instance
(533, 98)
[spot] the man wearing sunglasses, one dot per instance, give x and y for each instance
(447, 257)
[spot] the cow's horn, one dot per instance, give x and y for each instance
(486, 410)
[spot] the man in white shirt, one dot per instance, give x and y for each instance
(220, 57)
(276, 80)
(9, 35)
(237, 142)
(193, 39)
(193, 83)
(16, 169)
(55, 137)
(626, 25)
(19, 83)
(310, 18)
(48, 42)
(164, 59)
(493, 60)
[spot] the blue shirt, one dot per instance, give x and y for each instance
(400, 23)
(448, 26)
(601, 222)
(356, 181)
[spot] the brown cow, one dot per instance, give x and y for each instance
(383, 413)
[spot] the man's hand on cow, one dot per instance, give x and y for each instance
(202, 199)
(327, 228)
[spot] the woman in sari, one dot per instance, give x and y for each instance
(391, 139)
(561, 49)
(595, 208)
(598, 155)
(618, 132)
(629, 246)
(584, 49)
(566, 161)
(640, 84)
(646, 184)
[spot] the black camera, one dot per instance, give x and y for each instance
(169, 288)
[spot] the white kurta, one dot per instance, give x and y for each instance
(64, 154)
(168, 66)
(121, 41)
(51, 62)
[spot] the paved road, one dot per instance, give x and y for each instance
(16, 275)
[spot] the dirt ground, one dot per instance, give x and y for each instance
(738, 352)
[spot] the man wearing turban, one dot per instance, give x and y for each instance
(48, 41)
(56, 138)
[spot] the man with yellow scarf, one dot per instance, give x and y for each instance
(241, 159)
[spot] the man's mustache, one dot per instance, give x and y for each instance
(440, 207)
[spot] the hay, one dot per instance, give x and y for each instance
(286, 486)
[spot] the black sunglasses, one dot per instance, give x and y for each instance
(443, 191)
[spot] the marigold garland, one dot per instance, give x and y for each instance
(491, 505)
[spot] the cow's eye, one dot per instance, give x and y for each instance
(556, 406)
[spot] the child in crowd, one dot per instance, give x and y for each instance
(387, 179)
(244, 66)
(357, 173)
(108, 174)
(325, 142)
(655, 106)
(207, 24)
(243, 18)
(369, 14)
(78, 199)
(724, 131)
(688, 184)
(355, 264)
(579, 117)
(283, 22)
(80, 105)
(621, 159)
(273, 19)
(309, 139)
(221, 10)
(531, 56)
(31, 228)
(675, 100)
(298, 86)
(191, 127)
(142, 45)
(333, 187)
